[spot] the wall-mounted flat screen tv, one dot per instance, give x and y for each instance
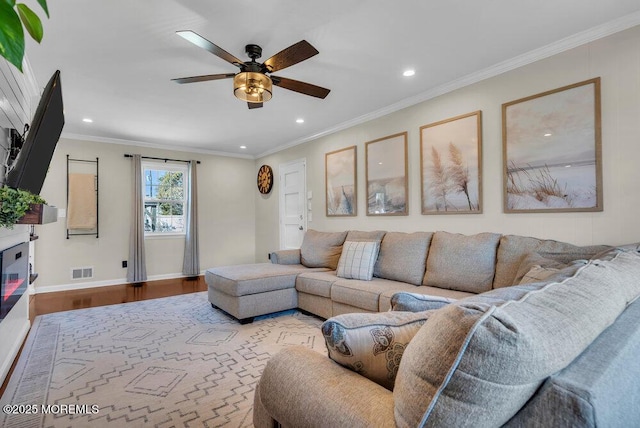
(31, 166)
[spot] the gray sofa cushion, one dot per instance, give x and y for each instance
(285, 257)
(316, 283)
(321, 249)
(599, 388)
(403, 256)
(513, 247)
(360, 235)
(372, 344)
(242, 280)
(476, 362)
(461, 262)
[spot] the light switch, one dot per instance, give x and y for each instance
(309, 194)
(62, 213)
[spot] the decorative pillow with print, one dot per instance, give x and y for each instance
(372, 344)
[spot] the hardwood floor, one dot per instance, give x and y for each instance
(46, 303)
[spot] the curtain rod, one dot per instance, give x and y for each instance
(162, 159)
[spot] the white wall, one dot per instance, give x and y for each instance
(16, 96)
(616, 59)
(226, 218)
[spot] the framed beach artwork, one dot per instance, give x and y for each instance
(451, 165)
(340, 182)
(552, 151)
(386, 175)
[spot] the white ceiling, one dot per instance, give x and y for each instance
(117, 58)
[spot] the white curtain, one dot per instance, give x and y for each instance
(191, 263)
(137, 268)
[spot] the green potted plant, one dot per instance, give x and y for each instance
(15, 203)
(12, 18)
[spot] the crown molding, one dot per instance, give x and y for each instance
(108, 140)
(578, 39)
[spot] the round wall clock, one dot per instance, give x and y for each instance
(265, 179)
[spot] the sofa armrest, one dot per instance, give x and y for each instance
(285, 257)
(300, 387)
(414, 302)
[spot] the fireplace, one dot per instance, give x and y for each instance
(14, 264)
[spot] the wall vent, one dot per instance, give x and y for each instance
(82, 272)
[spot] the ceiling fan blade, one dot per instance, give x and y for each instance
(203, 78)
(254, 105)
(203, 43)
(301, 87)
(290, 56)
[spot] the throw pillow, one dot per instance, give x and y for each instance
(372, 344)
(538, 273)
(414, 302)
(321, 249)
(530, 260)
(357, 260)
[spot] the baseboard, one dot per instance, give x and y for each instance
(13, 352)
(107, 283)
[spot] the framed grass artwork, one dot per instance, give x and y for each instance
(451, 165)
(341, 182)
(386, 175)
(552, 158)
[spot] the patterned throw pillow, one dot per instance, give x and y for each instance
(357, 260)
(372, 344)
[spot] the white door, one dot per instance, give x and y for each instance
(293, 210)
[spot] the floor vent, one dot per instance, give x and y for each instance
(82, 273)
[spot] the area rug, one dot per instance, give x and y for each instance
(170, 362)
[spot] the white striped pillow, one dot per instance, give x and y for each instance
(357, 260)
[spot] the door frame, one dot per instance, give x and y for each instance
(281, 210)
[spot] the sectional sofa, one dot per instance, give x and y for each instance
(484, 330)
(441, 264)
(561, 352)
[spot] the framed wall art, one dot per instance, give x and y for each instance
(451, 165)
(386, 175)
(341, 182)
(552, 151)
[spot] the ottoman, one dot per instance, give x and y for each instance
(246, 291)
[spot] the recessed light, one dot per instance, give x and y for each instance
(87, 120)
(379, 163)
(300, 120)
(547, 134)
(409, 73)
(243, 147)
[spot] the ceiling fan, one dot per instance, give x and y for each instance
(252, 84)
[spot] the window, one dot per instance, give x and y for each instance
(165, 196)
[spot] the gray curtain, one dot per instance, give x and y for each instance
(191, 263)
(137, 267)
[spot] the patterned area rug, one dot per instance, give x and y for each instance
(170, 362)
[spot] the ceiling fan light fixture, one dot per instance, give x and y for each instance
(252, 87)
